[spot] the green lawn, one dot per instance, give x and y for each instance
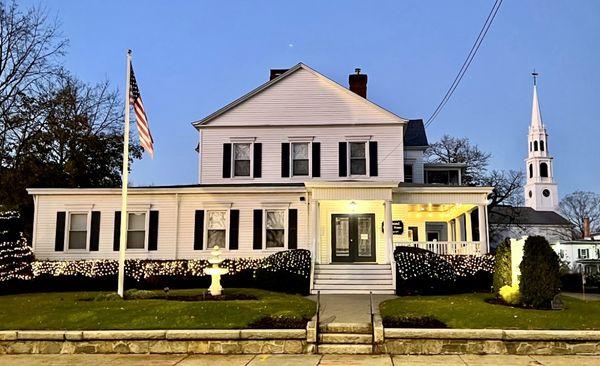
(69, 310)
(471, 311)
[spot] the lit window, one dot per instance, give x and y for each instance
(300, 158)
(216, 228)
(136, 231)
(275, 228)
(78, 231)
(358, 158)
(241, 160)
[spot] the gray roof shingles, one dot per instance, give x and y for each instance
(506, 215)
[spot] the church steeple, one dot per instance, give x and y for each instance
(541, 192)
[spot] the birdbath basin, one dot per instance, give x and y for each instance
(215, 271)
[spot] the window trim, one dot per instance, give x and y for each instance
(206, 228)
(285, 229)
(250, 143)
(582, 250)
(88, 225)
(146, 230)
(365, 143)
(309, 147)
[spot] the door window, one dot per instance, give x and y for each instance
(364, 236)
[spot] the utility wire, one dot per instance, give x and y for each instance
(467, 63)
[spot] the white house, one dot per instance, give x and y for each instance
(299, 162)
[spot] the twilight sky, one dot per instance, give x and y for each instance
(193, 57)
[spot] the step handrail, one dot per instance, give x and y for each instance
(318, 321)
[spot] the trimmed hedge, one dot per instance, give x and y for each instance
(502, 266)
(287, 271)
(540, 273)
(419, 271)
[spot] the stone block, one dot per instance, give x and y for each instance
(273, 334)
(40, 335)
(311, 331)
(123, 334)
(163, 346)
(198, 346)
(73, 335)
(378, 330)
(293, 346)
(8, 335)
(417, 333)
(47, 347)
(201, 334)
(552, 335)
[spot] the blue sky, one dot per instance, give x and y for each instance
(192, 57)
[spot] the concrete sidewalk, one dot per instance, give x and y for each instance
(348, 308)
(294, 360)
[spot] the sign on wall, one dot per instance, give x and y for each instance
(397, 227)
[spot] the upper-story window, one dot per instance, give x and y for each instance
(358, 158)
(216, 224)
(78, 231)
(241, 160)
(535, 146)
(408, 173)
(300, 165)
(583, 253)
(541, 145)
(136, 230)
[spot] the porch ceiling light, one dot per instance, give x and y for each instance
(352, 206)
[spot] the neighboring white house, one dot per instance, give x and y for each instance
(299, 162)
(582, 255)
(540, 215)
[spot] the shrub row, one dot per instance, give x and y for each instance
(420, 271)
(287, 271)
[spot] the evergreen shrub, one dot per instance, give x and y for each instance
(502, 266)
(540, 273)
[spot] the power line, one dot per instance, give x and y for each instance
(467, 63)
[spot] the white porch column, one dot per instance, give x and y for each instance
(483, 230)
(457, 231)
(468, 226)
(387, 230)
(314, 230)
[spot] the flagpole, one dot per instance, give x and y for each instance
(125, 179)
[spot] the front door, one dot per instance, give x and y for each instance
(353, 238)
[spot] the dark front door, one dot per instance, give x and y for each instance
(353, 238)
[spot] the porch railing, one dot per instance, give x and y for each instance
(445, 247)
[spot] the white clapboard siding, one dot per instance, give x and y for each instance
(304, 98)
(176, 221)
(388, 138)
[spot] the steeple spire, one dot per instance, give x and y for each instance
(536, 115)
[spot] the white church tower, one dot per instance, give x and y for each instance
(541, 192)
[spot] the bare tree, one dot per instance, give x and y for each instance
(30, 47)
(460, 150)
(578, 205)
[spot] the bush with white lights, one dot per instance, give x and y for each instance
(15, 254)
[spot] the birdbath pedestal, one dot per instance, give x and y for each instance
(215, 271)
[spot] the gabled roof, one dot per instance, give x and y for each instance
(517, 215)
(414, 134)
(274, 81)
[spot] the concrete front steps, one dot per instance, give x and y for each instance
(355, 278)
(346, 338)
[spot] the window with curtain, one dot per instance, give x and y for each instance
(300, 158)
(216, 225)
(358, 158)
(78, 231)
(275, 228)
(136, 231)
(241, 160)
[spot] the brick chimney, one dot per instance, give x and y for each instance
(358, 83)
(586, 228)
(276, 72)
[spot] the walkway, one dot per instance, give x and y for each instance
(348, 308)
(294, 360)
(580, 296)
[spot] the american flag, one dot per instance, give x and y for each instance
(135, 98)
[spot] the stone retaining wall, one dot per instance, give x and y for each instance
(489, 341)
(251, 341)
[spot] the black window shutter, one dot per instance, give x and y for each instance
(226, 160)
(234, 229)
(199, 230)
(373, 169)
(257, 233)
(95, 231)
(316, 159)
(153, 231)
(343, 159)
(59, 239)
(292, 228)
(117, 231)
(285, 159)
(257, 160)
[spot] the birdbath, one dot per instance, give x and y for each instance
(215, 272)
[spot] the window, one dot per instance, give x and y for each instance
(542, 145)
(449, 177)
(583, 253)
(216, 224)
(413, 233)
(78, 231)
(530, 170)
(275, 228)
(408, 173)
(543, 170)
(136, 231)
(241, 160)
(535, 146)
(300, 158)
(358, 158)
